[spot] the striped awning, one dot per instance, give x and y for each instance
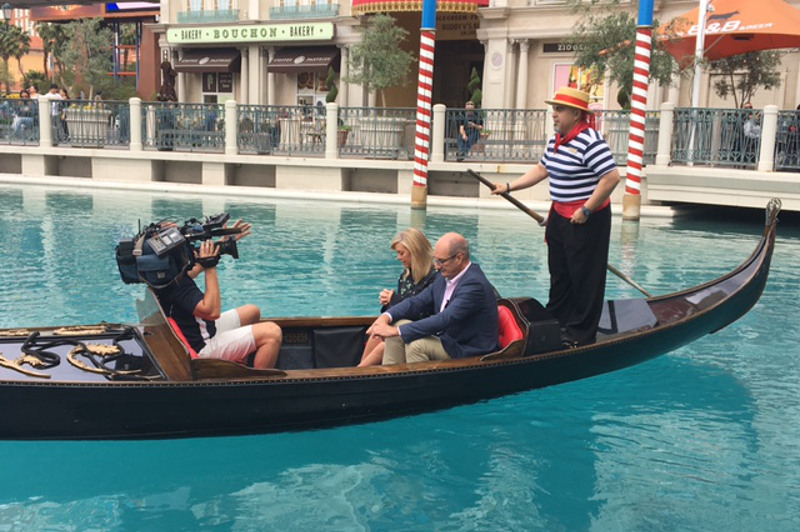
(363, 7)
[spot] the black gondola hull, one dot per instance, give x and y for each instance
(309, 399)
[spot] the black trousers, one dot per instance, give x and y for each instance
(577, 258)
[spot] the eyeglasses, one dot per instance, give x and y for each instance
(442, 262)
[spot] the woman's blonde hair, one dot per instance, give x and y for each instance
(421, 252)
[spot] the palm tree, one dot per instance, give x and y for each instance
(13, 43)
(53, 37)
(22, 50)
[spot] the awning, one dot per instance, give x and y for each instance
(362, 7)
(206, 60)
(734, 27)
(316, 59)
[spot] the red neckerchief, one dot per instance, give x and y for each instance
(580, 127)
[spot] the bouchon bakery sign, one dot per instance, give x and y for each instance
(252, 33)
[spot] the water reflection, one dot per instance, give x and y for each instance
(661, 446)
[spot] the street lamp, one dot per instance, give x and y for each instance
(8, 12)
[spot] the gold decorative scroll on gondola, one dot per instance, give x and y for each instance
(17, 363)
(10, 333)
(80, 330)
(102, 350)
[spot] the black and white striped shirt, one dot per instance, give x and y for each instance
(578, 166)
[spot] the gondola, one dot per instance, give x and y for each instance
(111, 381)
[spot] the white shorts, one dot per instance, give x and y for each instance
(232, 341)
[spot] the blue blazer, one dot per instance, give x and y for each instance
(468, 324)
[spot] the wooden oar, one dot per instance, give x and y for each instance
(539, 218)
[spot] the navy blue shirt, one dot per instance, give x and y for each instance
(179, 300)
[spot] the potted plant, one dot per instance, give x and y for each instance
(341, 134)
(474, 88)
(379, 62)
(330, 82)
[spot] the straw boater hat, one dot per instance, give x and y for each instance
(577, 99)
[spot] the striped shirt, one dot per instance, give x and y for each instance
(578, 166)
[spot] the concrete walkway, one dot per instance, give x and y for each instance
(491, 203)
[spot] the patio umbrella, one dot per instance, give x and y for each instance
(734, 27)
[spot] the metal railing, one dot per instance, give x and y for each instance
(169, 126)
(90, 124)
(712, 137)
(381, 132)
(19, 121)
(615, 128)
(787, 142)
(495, 134)
(304, 11)
(208, 15)
(281, 129)
(717, 137)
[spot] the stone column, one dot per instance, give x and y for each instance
(254, 76)
(270, 78)
(136, 124)
(674, 92)
(231, 126)
(331, 130)
(180, 81)
(45, 121)
(263, 59)
(663, 152)
(769, 128)
(344, 71)
(486, 71)
(437, 135)
(510, 75)
(244, 77)
(522, 74)
(494, 74)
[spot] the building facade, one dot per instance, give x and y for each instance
(278, 52)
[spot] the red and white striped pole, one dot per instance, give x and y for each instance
(632, 200)
(422, 141)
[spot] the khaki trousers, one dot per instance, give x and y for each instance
(422, 350)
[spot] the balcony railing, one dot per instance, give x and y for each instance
(19, 121)
(183, 127)
(208, 16)
(787, 141)
(718, 137)
(730, 138)
(280, 130)
(304, 11)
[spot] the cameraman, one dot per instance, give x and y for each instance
(229, 335)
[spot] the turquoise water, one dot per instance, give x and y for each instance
(705, 438)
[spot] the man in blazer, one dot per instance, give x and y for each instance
(462, 307)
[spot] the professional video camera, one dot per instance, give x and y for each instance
(162, 251)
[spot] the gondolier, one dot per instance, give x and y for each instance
(582, 175)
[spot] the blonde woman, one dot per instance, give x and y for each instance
(415, 252)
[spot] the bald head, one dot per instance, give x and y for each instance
(451, 254)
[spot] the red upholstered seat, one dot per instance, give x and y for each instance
(509, 330)
(179, 333)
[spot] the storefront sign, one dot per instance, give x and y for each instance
(556, 47)
(225, 80)
(310, 31)
(456, 26)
